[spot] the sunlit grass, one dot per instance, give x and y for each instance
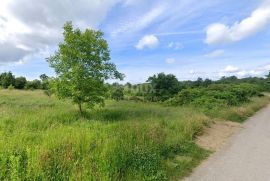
(42, 138)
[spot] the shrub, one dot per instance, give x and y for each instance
(35, 84)
(10, 87)
(209, 102)
(216, 95)
(136, 98)
(186, 96)
(118, 94)
(20, 82)
(163, 87)
(48, 93)
(6, 79)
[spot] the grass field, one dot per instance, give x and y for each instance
(42, 138)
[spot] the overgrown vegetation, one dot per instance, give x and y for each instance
(216, 95)
(42, 138)
(7, 79)
(162, 87)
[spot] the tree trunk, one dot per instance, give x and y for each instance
(80, 108)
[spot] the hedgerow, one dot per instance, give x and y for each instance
(216, 95)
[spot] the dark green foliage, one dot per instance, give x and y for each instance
(136, 98)
(45, 81)
(268, 75)
(20, 82)
(43, 77)
(263, 83)
(128, 85)
(35, 84)
(118, 93)
(7, 79)
(163, 87)
(199, 82)
(216, 95)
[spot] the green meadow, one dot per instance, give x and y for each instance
(43, 138)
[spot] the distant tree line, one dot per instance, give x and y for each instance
(8, 80)
(162, 87)
(158, 88)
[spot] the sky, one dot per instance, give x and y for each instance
(188, 38)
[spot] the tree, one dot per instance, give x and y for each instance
(163, 86)
(45, 80)
(20, 82)
(35, 84)
(82, 64)
(43, 77)
(7, 79)
(128, 85)
(268, 76)
(198, 82)
(228, 80)
(118, 93)
(207, 82)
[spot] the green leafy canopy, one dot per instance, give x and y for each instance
(82, 64)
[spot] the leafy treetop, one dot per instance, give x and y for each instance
(82, 65)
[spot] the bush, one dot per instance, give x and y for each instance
(10, 87)
(20, 82)
(7, 79)
(118, 94)
(186, 96)
(35, 84)
(208, 102)
(136, 98)
(216, 95)
(48, 93)
(163, 87)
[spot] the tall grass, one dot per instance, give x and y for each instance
(42, 138)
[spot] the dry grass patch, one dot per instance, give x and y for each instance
(217, 134)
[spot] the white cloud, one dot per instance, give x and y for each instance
(219, 33)
(170, 60)
(242, 73)
(148, 41)
(131, 2)
(215, 54)
(266, 67)
(134, 24)
(231, 69)
(175, 45)
(28, 27)
(250, 73)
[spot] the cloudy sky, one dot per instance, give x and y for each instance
(189, 38)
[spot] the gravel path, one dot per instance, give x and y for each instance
(246, 156)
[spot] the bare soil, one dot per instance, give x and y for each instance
(215, 136)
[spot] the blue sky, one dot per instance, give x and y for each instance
(189, 38)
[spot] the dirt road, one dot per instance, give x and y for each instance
(246, 156)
